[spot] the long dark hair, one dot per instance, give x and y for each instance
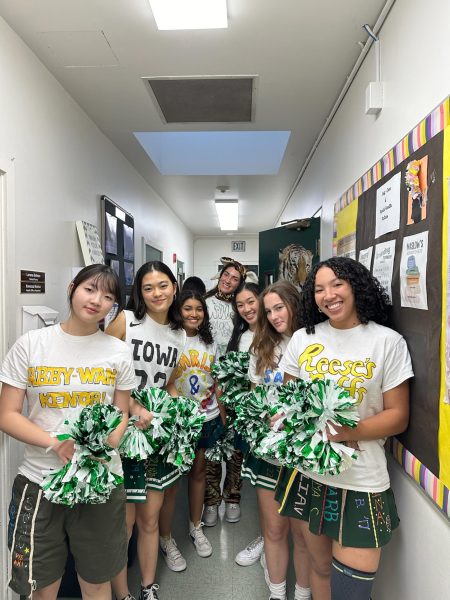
(104, 277)
(239, 268)
(240, 325)
(204, 331)
(136, 302)
(371, 301)
(266, 337)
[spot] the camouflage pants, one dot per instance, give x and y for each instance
(232, 485)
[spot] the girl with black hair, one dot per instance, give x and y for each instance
(347, 518)
(192, 378)
(51, 370)
(152, 328)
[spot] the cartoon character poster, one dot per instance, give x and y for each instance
(416, 182)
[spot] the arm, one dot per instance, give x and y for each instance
(15, 424)
(391, 420)
(122, 402)
(117, 328)
(170, 386)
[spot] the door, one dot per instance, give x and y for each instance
(288, 253)
(152, 253)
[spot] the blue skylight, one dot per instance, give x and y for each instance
(215, 152)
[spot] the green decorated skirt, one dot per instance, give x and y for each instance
(141, 476)
(259, 472)
(354, 519)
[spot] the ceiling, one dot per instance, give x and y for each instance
(299, 54)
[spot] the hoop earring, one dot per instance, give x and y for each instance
(319, 309)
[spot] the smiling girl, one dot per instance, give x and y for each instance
(50, 370)
(152, 328)
(193, 378)
(278, 318)
(347, 518)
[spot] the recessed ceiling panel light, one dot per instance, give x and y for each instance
(190, 14)
(227, 211)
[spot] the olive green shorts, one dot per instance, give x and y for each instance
(40, 532)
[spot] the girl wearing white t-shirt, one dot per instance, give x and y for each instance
(192, 378)
(57, 371)
(152, 328)
(278, 318)
(346, 518)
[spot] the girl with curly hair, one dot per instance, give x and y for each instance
(347, 518)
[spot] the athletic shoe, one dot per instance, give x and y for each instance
(262, 562)
(210, 515)
(251, 554)
(232, 512)
(200, 541)
(149, 592)
(129, 597)
(171, 554)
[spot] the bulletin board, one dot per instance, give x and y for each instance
(118, 243)
(394, 220)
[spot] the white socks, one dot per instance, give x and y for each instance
(302, 593)
(277, 590)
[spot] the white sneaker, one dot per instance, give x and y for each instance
(251, 554)
(173, 557)
(262, 562)
(199, 539)
(210, 515)
(232, 512)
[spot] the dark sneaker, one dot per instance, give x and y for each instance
(150, 592)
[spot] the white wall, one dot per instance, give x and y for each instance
(208, 250)
(57, 165)
(63, 164)
(417, 78)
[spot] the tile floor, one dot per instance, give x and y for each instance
(216, 577)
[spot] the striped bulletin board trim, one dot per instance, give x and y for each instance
(423, 476)
(435, 122)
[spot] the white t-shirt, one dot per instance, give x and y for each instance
(221, 318)
(62, 374)
(246, 340)
(367, 360)
(155, 348)
(270, 376)
(193, 375)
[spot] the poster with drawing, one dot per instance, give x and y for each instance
(413, 271)
(383, 264)
(387, 216)
(416, 183)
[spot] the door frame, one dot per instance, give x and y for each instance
(7, 337)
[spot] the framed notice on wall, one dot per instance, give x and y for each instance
(90, 243)
(118, 242)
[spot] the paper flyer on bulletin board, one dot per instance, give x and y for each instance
(345, 241)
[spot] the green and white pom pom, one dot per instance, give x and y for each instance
(299, 438)
(223, 449)
(186, 428)
(173, 431)
(139, 444)
(253, 414)
(87, 478)
(231, 373)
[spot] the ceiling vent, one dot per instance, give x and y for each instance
(204, 99)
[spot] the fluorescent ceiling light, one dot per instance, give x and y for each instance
(190, 14)
(227, 211)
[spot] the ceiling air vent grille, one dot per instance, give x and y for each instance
(203, 99)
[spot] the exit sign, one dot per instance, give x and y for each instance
(238, 246)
